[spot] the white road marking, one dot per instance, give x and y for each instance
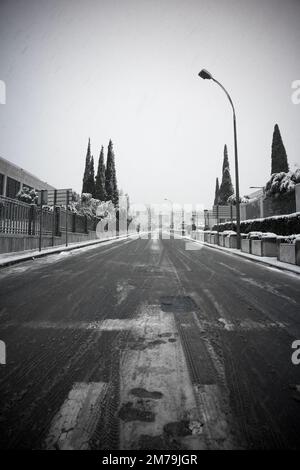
(231, 268)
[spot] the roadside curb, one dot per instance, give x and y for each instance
(59, 249)
(245, 256)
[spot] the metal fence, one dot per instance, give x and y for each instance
(14, 216)
(20, 218)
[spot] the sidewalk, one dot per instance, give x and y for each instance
(265, 260)
(8, 259)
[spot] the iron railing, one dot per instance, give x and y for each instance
(20, 218)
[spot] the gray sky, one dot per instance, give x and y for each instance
(127, 70)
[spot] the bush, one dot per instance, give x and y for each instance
(279, 225)
(282, 183)
(30, 196)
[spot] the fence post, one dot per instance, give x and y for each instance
(32, 219)
(57, 221)
(74, 222)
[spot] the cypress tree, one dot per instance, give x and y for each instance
(226, 188)
(100, 192)
(217, 190)
(111, 187)
(278, 157)
(85, 180)
(91, 178)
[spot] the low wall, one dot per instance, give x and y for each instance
(256, 247)
(14, 243)
(231, 241)
(246, 245)
(280, 205)
(287, 253)
(221, 239)
(270, 248)
(213, 239)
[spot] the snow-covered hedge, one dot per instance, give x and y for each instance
(278, 224)
(291, 239)
(243, 200)
(261, 235)
(229, 233)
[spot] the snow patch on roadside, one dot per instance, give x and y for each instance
(74, 424)
(227, 324)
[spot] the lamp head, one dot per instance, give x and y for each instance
(205, 74)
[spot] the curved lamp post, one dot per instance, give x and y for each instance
(208, 76)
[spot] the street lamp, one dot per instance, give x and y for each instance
(208, 76)
(172, 213)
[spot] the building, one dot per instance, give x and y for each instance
(13, 178)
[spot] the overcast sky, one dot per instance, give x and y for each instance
(127, 70)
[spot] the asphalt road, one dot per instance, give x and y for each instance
(149, 344)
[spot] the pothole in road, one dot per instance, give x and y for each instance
(177, 428)
(173, 436)
(141, 344)
(129, 413)
(177, 303)
(143, 393)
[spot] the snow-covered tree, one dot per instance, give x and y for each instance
(27, 195)
(232, 199)
(282, 183)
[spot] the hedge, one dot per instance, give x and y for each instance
(279, 224)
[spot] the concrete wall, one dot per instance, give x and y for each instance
(246, 245)
(280, 205)
(297, 197)
(256, 247)
(269, 206)
(230, 242)
(15, 243)
(287, 253)
(252, 210)
(269, 248)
